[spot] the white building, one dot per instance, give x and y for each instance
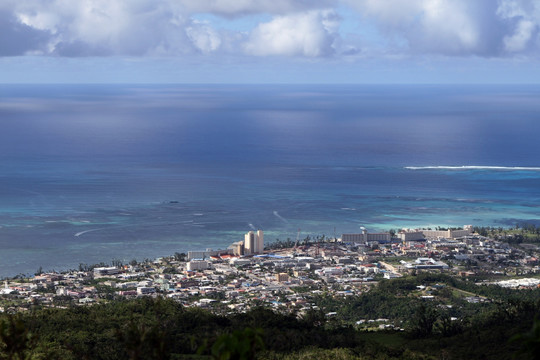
(365, 237)
(145, 290)
(126, 285)
(410, 235)
(6, 290)
(208, 253)
(391, 275)
(426, 264)
(237, 248)
(239, 261)
(253, 242)
(330, 271)
(447, 234)
(194, 265)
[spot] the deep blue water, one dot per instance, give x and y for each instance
(89, 173)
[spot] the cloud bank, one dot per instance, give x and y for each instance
(279, 28)
(457, 27)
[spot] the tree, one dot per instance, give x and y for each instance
(529, 341)
(314, 317)
(240, 345)
(447, 327)
(39, 271)
(143, 342)
(423, 321)
(83, 267)
(16, 342)
(179, 256)
(117, 263)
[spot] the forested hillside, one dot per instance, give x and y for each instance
(147, 328)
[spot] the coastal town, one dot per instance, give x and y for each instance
(285, 278)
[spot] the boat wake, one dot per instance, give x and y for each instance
(87, 231)
(276, 214)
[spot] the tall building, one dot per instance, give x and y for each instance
(260, 241)
(253, 242)
(249, 243)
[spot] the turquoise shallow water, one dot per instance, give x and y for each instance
(92, 173)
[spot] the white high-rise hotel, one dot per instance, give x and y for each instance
(253, 242)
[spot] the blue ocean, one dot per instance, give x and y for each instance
(92, 173)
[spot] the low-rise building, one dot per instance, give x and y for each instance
(145, 290)
(448, 233)
(426, 264)
(365, 237)
(410, 235)
(195, 265)
(100, 272)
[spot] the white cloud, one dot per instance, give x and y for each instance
(142, 27)
(449, 27)
(525, 15)
(102, 27)
(304, 28)
(17, 38)
(203, 37)
(519, 39)
(152, 27)
(309, 34)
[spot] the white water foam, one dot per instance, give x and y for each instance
(474, 167)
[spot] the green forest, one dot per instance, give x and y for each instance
(447, 327)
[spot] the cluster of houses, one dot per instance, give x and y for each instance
(246, 275)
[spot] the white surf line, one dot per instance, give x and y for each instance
(185, 223)
(251, 226)
(473, 167)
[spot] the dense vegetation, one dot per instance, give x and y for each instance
(163, 329)
(520, 233)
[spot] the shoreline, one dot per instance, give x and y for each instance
(185, 252)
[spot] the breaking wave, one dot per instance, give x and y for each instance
(473, 167)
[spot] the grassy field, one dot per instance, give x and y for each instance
(461, 293)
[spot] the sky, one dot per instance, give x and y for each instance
(269, 41)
